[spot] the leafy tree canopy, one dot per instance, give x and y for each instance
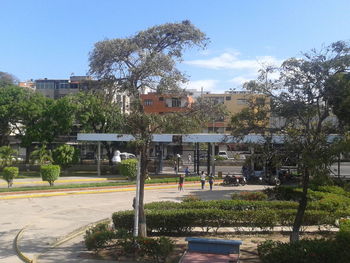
(147, 59)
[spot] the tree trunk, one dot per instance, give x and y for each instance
(294, 236)
(143, 173)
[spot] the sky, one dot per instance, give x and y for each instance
(52, 39)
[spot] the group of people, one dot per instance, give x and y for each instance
(203, 178)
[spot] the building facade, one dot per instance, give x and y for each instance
(234, 103)
(165, 103)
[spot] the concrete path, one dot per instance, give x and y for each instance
(47, 219)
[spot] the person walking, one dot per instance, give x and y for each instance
(187, 171)
(203, 175)
(189, 158)
(211, 181)
(181, 182)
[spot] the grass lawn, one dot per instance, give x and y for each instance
(92, 185)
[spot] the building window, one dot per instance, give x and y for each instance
(161, 98)
(175, 102)
(148, 102)
(228, 97)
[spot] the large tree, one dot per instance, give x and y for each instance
(98, 114)
(7, 79)
(146, 60)
(338, 94)
(301, 106)
(11, 99)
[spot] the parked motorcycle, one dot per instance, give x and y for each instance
(259, 177)
(234, 179)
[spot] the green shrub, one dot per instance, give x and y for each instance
(302, 251)
(344, 225)
(158, 249)
(180, 221)
(237, 205)
(50, 173)
(220, 158)
(9, 173)
(306, 251)
(250, 196)
(286, 193)
(65, 155)
(98, 237)
(128, 168)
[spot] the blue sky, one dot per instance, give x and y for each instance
(53, 38)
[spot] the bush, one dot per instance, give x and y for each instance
(156, 248)
(65, 155)
(250, 196)
(98, 236)
(128, 168)
(220, 158)
(180, 221)
(306, 251)
(50, 173)
(302, 251)
(9, 173)
(287, 193)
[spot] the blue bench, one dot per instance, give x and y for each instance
(213, 246)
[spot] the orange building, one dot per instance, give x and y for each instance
(165, 103)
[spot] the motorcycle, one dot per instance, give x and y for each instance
(260, 178)
(234, 179)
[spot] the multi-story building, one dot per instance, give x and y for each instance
(29, 84)
(165, 103)
(234, 101)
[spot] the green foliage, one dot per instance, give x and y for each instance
(65, 155)
(157, 249)
(50, 173)
(250, 196)
(181, 221)
(41, 155)
(99, 236)
(9, 173)
(11, 98)
(306, 251)
(338, 94)
(128, 168)
(219, 158)
(7, 154)
(344, 225)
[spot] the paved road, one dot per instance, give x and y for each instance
(52, 217)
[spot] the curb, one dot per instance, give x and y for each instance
(57, 243)
(18, 251)
(93, 191)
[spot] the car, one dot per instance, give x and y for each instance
(223, 154)
(125, 155)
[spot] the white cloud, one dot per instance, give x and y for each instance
(240, 80)
(206, 84)
(230, 60)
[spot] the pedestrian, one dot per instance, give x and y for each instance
(203, 175)
(211, 181)
(189, 158)
(175, 167)
(181, 182)
(187, 171)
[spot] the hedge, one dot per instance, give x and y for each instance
(236, 205)
(181, 221)
(50, 173)
(128, 168)
(9, 173)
